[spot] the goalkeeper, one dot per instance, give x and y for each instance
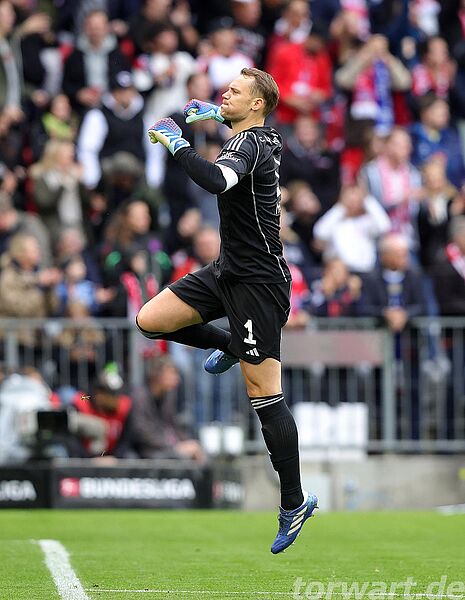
(250, 281)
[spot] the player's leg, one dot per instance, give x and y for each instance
(178, 314)
(279, 430)
(257, 312)
(263, 382)
(166, 312)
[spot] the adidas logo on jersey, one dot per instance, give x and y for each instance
(253, 352)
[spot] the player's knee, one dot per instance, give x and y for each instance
(147, 322)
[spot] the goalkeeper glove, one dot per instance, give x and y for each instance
(168, 133)
(197, 110)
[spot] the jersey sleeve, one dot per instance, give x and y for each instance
(240, 154)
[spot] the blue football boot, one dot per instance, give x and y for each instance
(219, 362)
(291, 523)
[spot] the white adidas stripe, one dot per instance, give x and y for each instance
(267, 404)
(236, 142)
(259, 403)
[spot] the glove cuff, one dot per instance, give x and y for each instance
(218, 116)
(178, 145)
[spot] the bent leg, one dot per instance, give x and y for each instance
(167, 317)
(165, 313)
(279, 430)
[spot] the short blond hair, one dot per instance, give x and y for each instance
(265, 87)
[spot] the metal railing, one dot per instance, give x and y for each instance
(412, 384)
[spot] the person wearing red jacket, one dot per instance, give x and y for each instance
(105, 416)
(303, 73)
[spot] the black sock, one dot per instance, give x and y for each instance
(198, 336)
(281, 438)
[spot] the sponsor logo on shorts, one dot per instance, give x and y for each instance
(253, 352)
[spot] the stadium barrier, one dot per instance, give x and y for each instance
(410, 385)
(164, 483)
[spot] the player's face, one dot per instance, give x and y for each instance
(238, 101)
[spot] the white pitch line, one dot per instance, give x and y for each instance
(57, 560)
(272, 594)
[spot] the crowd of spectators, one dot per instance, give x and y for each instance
(94, 220)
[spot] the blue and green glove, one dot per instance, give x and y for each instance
(197, 110)
(168, 133)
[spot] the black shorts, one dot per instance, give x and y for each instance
(256, 311)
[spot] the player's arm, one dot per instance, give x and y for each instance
(198, 110)
(215, 178)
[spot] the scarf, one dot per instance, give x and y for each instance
(424, 82)
(372, 97)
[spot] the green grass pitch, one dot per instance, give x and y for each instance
(220, 554)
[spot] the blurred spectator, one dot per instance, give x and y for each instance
(41, 59)
(129, 227)
(452, 18)
(436, 71)
(109, 407)
(336, 294)
(306, 158)
(122, 179)
(152, 12)
(395, 182)
(94, 61)
(207, 11)
(188, 225)
(371, 76)
(439, 202)
(162, 73)
(59, 123)
(115, 127)
(303, 73)
(26, 289)
(223, 61)
(13, 221)
(249, 30)
(295, 250)
(423, 15)
(59, 192)
(344, 36)
(71, 244)
(8, 180)
(75, 288)
(293, 26)
(71, 14)
(434, 135)
(296, 255)
(304, 209)
(137, 284)
(205, 249)
(393, 291)
(80, 347)
(350, 229)
(324, 11)
(10, 90)
(155, 12)
(449, 272)
(298, 316)
(157, 428)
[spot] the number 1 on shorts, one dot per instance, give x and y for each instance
(250, 338)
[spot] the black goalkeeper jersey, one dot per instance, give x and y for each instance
(251, 249)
